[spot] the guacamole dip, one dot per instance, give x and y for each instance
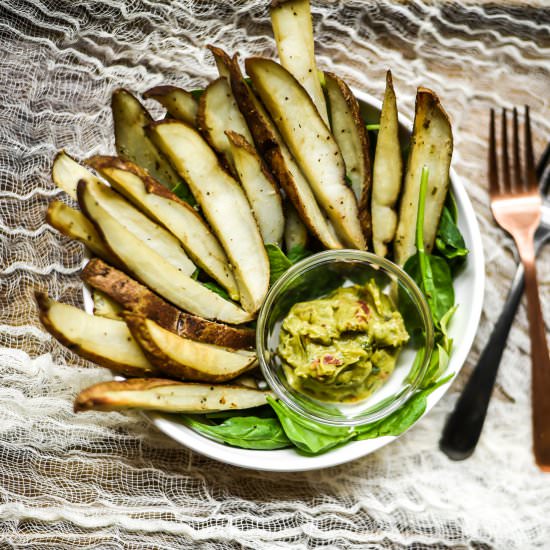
(343, 346)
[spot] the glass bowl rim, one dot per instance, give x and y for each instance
(321, 258)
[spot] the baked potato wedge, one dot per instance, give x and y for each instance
(177, 216)
(67, 172)
(179, 103)
(259, 186)
(222, 59)
(151, 268)
(74, 224)
(168, 396)
(431, 146)
(352, 137)
(130, 118)
(218, 112)
(104, 306)
(224, 205)
(293, 30)
(104, 341)
(387, 174)
(185, 358)
(311, 143)
(134, 297)
(295, 230)
(271, 146)
(150, 234)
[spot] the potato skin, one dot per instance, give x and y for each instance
(268, 146)
(93, 398)
(137, 298)
(44, 304)
(363, 136)
(208, 397)
(431, 146)
(140, 331)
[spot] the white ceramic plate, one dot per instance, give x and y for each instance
(469, 289)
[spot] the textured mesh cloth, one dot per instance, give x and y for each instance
(113, 481)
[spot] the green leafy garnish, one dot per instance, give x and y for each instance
(403, 418)
(308, 436)
(372, 127)
(431, 273)
(297, 253)
(279, 262)
(449, 241)
(215, 287)
(246, 432)
(182, 191)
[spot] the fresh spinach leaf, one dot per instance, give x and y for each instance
(441, 295)
(278, 262)
(431, 273)
(372, 127)
(308, 436)
(403, 418)
(246, 432)
(183, 192)
(451, 205)
(449, 241)
(297, 253)
(215, 287)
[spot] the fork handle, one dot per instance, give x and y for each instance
(464, 424)
(540, 364)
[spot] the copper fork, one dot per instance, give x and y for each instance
(516, 206)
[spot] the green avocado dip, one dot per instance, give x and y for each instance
(342, 347)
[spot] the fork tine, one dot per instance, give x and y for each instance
(530, 174)
(518, 177)
(493, 166)
(506, 186)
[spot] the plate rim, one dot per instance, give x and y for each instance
(259, 460)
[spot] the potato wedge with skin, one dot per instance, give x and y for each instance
(177, 216)
(311, 143)
(179, 103)
(260, 188)
(271, 146)
(352, 137)
(218, 112)
(224, 205)
(150, 234)
(74, 224)
(104, 341)
(151, 268)
(135, 297)
(184, 358)
(167, 396)
(67, 172)
(295, 230)
(431, 146)
(130, 118)
(387, 174)
(293, 29)
(222, 59)
(104, 306)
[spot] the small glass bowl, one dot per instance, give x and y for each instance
(315, 277)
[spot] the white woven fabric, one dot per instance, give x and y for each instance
(111, 481)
